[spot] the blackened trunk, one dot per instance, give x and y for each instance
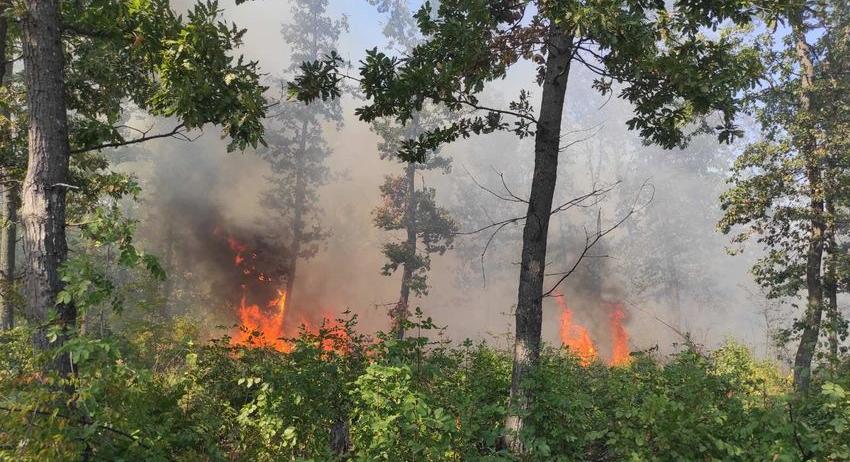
(45, 185)
(808, 145)
(402, 309)
(529, 309)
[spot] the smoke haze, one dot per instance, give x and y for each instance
(666, 264)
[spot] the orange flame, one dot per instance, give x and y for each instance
(262, 327)
(577, 338)
(574, 336)
(620, 351)
(265, 326)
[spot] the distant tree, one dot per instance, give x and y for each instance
(86, 64)
(404, 207)
(296, 145)
(790, 188)
(671, 248)
(414, 211)
(671, 72)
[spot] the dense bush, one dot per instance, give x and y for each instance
(161, 395)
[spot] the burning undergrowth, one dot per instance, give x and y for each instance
(580, 340)
(264, 315)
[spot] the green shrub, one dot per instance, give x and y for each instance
(167, 397)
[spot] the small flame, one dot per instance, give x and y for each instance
(238, 249)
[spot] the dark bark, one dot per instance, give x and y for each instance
(45, 185)
(340, 439)
(808, 145)
(402, 309)
(529, 309)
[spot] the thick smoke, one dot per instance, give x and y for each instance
(665, 265)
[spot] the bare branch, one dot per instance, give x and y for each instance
(479, 107)
(591, 240)
(509, 198)
(178, 132)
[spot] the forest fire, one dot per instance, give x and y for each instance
(577, 337)
(262, 313)
(262, 327)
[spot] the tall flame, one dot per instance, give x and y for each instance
(574, 336)
(620, 350)
(262, 327)
(577, 338)
(266, 326)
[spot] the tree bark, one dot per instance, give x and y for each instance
(9, 205)
(45, 185)
(808, 145)
(298, 214)
(402, 309)
(8, 238)
(529, 309)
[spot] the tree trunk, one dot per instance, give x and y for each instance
(165, 310)
(814, 303)
(298, 214)
(402, 309)
(9, 205)
(8, 238)
(529, 309)
(45, 187)
(830, 282)
(831, 296)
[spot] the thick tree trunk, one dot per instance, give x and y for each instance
(808, 145)
(529, 309)
(298, 215)
(402, 309)
(9, 200)
(45, 187)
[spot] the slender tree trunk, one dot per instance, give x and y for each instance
(9, 205)
(675, 294)
(529, 309)
(45, 185)
(831, 297)
(168, 285)
(8, 238)
(830, 283)
(402, 309)
(298, 214)
(808, 145)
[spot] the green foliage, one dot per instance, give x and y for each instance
(156, 393)
(669, 68)
(394, 422)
